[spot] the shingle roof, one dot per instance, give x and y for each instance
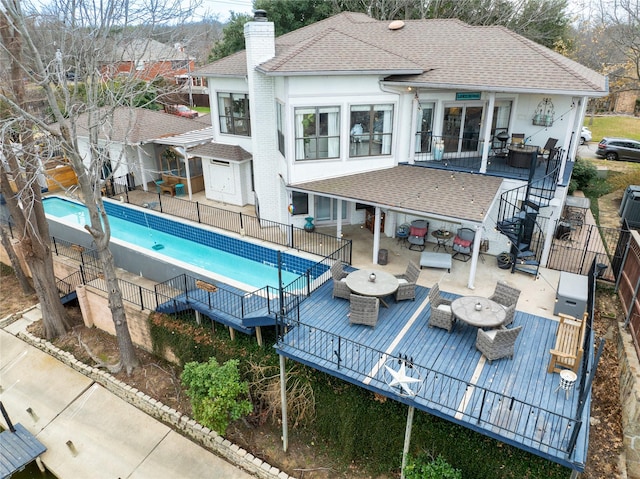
(447, 52)
(433, 192)
(134, 125)
(221, 152)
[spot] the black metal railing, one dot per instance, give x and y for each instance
(76, 252)
(519, 420)
(219, 297)
(465, 154)
(281, 234)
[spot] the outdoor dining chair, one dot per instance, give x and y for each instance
(407, 282)
(505, 295)
(340, 288)
(363, 310)
(441, 314)
(497, 343)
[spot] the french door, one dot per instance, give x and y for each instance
(461, 127)
(326, 209)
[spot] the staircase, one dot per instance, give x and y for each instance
(518, 217)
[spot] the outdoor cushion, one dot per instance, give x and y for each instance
(459, 241)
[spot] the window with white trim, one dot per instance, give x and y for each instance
(371, 130)
(280, 126)
(317, 131)
(233, 110)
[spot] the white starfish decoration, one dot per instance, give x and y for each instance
(401, 379)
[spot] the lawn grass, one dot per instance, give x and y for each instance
(203, 110)
(615, 126)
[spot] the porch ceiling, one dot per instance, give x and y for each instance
(413, 189)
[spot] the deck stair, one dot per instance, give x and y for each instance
(518, 217)
(221, 303)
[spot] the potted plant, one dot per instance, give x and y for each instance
(505, 260)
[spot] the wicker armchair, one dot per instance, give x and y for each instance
(340, 288)
(407, 282)
(505, 295)
(363, 310)
(441, 315)
(497, 343)
(510, 316)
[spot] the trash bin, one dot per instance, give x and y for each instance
(562, 229)
(383, 256)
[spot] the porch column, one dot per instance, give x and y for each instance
(141, 168)
(187, 170)
(376, 236)
(414, 127)
(339, 221)
(555, 207)
(487, 132)
(474, 257)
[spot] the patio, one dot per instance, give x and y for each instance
(515, 401)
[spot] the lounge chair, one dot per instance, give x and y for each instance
(497, 343)
(417, 234)
(441, 314)
(340, 288)
(463, 244)
(407, 282)
(363, 310)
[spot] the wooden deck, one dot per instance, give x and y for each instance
(512, 400)
(17, 449)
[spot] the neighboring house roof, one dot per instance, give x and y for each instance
(144, 49)
(221, 152)
(136, 125)
(440, 53)
(438, 193)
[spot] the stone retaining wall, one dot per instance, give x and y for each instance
(630, 401)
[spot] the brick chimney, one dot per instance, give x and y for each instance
(259, 37)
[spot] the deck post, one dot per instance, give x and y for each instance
(283, 400)
(407, 439)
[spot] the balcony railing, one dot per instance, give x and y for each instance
(465, 155)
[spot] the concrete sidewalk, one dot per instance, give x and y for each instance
(89, 431)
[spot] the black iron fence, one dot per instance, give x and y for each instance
(441, 393)
(576, 246)
(289, 236)
(465, 154)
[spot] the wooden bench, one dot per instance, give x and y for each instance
(568, 350)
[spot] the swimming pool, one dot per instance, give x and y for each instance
(246, 265)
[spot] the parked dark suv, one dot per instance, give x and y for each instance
(619, 149)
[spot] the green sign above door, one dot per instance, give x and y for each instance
(468, 95)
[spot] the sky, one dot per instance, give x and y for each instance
(223, 7)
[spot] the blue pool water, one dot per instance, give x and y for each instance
(242, 261)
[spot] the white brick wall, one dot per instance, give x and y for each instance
(260, 47)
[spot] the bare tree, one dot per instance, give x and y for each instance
(25, 207)
(70, 48)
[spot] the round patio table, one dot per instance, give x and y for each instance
(478, 311)
(384, 285)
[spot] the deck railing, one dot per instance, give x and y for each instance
(466, 155)
(441, 394)
(240, 223)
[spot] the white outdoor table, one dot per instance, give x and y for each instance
(384, 285)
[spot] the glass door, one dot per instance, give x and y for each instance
(326, 209)
(461, 128)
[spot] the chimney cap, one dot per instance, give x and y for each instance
(260, 16)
